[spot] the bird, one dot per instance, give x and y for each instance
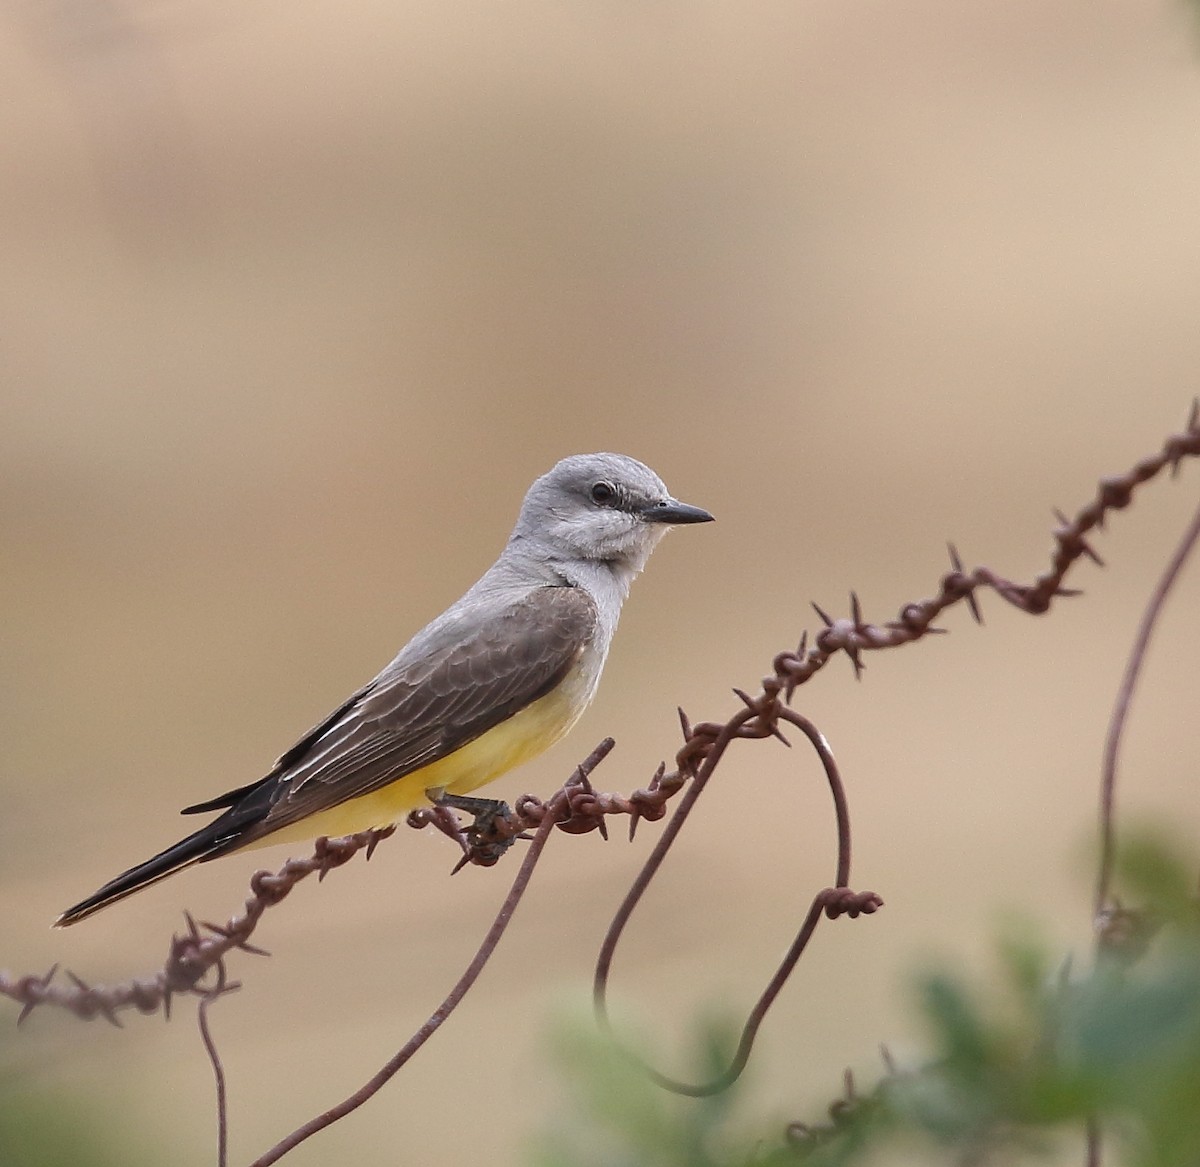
(497, 678)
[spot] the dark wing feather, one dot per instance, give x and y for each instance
(419, 714)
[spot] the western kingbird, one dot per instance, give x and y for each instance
(496, 679)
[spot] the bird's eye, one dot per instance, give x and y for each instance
(603, 493)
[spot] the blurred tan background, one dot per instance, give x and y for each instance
(296, 300)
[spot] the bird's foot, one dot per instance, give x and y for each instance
(491, 832)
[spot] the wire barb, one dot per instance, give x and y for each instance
(969, 588)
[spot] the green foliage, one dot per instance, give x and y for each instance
(1012, 1070)
(40, 1129)
(630, 1123)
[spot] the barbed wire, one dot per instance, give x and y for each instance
(192, 955)
(577, 808)
(854, 636)
(1121, 934)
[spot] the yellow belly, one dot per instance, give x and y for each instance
(523, 736)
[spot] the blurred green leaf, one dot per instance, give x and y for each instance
(40, 1128)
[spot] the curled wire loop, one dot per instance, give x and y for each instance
(759, 719)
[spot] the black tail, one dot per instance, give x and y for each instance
(221, 836)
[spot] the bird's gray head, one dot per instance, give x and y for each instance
(604, 508)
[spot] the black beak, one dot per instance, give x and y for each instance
(670, 511)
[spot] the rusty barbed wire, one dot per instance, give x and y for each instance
(577, 807)
(854, 636)
(1123, 935)
(192, 955)
(486, 840)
